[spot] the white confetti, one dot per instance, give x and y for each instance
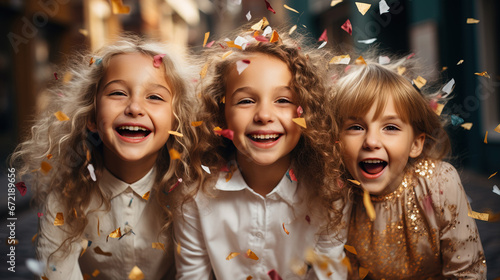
(36, 267)
(249, 16)
(448, 88)
(367, 41)
(322, 44)
(206, 169)
(241, 65)
(267, 31)
(384, 8)
(90, 167)
(496, 189)
(240, 41)
(383, 60)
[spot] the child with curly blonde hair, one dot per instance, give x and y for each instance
(264, 204)
(409, 216)
(107, 162)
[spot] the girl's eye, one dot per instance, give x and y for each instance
(355, 127)
(245, 101)
(116, 93)
(283, 100)
(155, 97)
(391, 127)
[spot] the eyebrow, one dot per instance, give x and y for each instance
(251, 89)
(154, 85)
(384, 118)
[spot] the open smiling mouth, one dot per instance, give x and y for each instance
(133, 132)
(372, 166)
(264, 138)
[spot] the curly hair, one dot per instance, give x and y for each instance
(315, 157)
(69, 146)
(365, 85)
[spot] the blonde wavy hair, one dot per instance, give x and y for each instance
(315, 158)
(365, 85)
(71, 146)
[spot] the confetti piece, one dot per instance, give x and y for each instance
(308, 219)
(292, 29)
(98, 230)
(59, 220)
(99, 251)
(228, 133)
(91, 61)
(497, 129)
(85, 244)
(410, 56)
(39, 214)
(86, 276)
(383, 7)
(178, 249)
(360, 61)
(249, 16)
(456, 120)
(444, 68)
(340, 59)
(179, 180)
(300, 121)
(291, 174)
(401, 70)
(273, 274)
(363, 272)
(146, 195)
(439, 109)
(118, 7)
(226, 54)
(158, 246)
(96, 272)
(323, 36)
(484, 74)
(21, 187)
(174, 154)
(291, 9)
(157, 60)
(223, 101)
(347, 27)
(67, 77)
(351, 249)
(34, 237)
(258, 26)
(175, 133)
(36, 267)
(448, 88)
(197, 123)
(275, 37)
(130, 202)
(55, 75)
(206, 169)
(252, 255)
(61, 116)
(240, 41)
(460, 62)
(363, 7)
(232, 255)
(496, 189)
(136, 274)
(493, 175)
(472, 21)
(354, 182)
(241, 65)
(204, 70)
(45, 167)
(267, 31)
(268, 6)
(249, 277)
(322, 45)
(117, 232)
(479, 216)
(84, 32)
(367, 41)
(368, 205)
(486, 137)
(286, 231)
(347, 263)
(74, 213)
(383, 60)
(90, 167)
(419, 82)
(210, 44)
(206, 39)
(335, 2)
(300, 111)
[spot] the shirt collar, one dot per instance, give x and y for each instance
(114, 186)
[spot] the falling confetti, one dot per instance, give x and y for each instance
(292, 29)
(36, 267)
(99, 251)
(273, 274)
(59, 220)
(300, 121)
(91, 61)
(232, 255)
(55, 75)
(146, 195)
(486, 137)
(300, 111)
(347, 27)
(291, 174)
(39, 214)
(85, 244)
(90, 167)
(419, 82)
(367, 41)
(347, 263)
(472, 21)
(96, 272)
(267, 31)
(340, 59)
(249, 277)
(492, 175)
(34, 237)
(179, 180)
(363, 272)
(322, 45)
(496, 189)
(226, 54)
(178, 249)
(363, 7)
(308, 219)
(197, 123)
(157, 60)
(158, 246)
(354, 182)
(268, 6)
(45, 167)
(118, 7)
(323, 36)
(383, 60)
(228, 133)
(351, 249)
(275, 37)
(456, 120)
(368, 205)
(448, 88)
(21, 187)
(335, 2)
(114, 234)
(483, 74)
(401, 70)
(204, 70)
(241, 65)
(61, 116)
(360, 61)
(252, 255)
(206, 169)
(291, 9)
(479, 216)
(383, 7)
(286, 231)
(175, 133)
(249, 16)
(206, 39)
(460, 62)
(136, 274)
(439, 109)
(174, 154)
(497, 129)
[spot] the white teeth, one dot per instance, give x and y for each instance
(132, 128)
(265, 136)
(373, 161)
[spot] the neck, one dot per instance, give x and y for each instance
(129, 171)
(262, 179)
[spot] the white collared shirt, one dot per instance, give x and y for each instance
(139, 224)
(238, 219)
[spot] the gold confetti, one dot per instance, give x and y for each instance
(472, 21)
(91, 61)
(195, 124)
(347, 264)
(84, 243)
(86, 276)
(232, 255)
(439, 109)
(401, 70)
(84, 32)
(484, 74)
(493, 175)
(420, 82)
(59, 220)
(274, 37)
(226, 54)
(114, 234)
(286, 231)
(369, 206)
(231, 44)
(49, 156)
(363, 7)
(96, 272)
(298, 267)
(99, 251)
(206, 38)
(335, 2)
(61, 116)
(340, 59)
(34, 237)
(479, 216)
(158, 246)
(252, 255)
(98, 231)
(486, 137)
(204, 70)
(118, 7)
(136, 274)
(300, 121)
(146, 195)
(444, 68)
(460, 62)
(223, 100)
(258, 26)
(363, 272)
(354, 181)
(360, 61)
(291, 9)
(497, 129)
(74, 212)
(67, 77)
(292, 29)
(174, 154)
(175, 133)
(351, 249)
(467, 126)
(179, 248)
(45, 167)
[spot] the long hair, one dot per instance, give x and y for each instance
(314, 158)
(68, 147)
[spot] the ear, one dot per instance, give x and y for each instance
(417, 146)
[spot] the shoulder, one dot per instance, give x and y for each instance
(437, 174)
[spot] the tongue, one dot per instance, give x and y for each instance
(373, 168)
(128, 133)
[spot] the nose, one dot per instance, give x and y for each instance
(264, 114)
(134, 107)
(372, 141)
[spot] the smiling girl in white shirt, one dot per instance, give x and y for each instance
(103, 170)
(266, 209)
(392, 143)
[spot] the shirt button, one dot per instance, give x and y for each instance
(259, 235)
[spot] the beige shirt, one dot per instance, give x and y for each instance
(114, 258)
(421, 231)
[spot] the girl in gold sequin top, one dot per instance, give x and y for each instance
(409, 217)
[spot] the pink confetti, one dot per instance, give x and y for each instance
(300, 111)
(347, 27)
(268, 6)
(224, 169)
(410, 56)
(222, 46)
(55, 75)
(292, 175)
(241, 65)
(158, 60)
(40, 214)
(208, 45)
(228, 133)
(261, 38)
(274, 275)
(21, 187)
(323, 37)
(175, 185)
(347, 68)
(433, 104)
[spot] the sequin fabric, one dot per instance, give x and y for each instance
(422, 229)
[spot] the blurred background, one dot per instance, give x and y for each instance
(37, 35)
